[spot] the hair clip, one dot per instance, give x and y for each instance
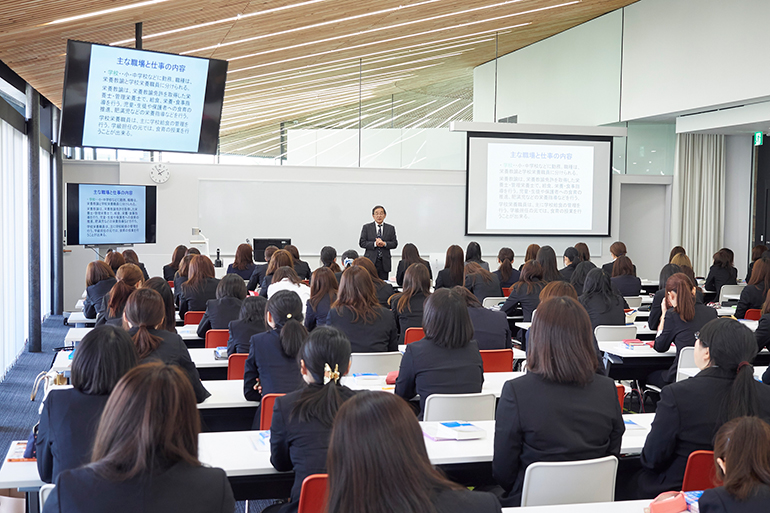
(329, 375)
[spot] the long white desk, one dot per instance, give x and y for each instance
(493, 382)
(596, 507)
(643, 351)
(79, 318)
(188, 332)
(641, 327)
(203, 358)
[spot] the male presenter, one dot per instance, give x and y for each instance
(378, 239)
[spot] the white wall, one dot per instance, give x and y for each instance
(739, 151)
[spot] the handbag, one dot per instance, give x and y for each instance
(31, 450)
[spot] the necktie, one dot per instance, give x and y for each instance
(379, 236)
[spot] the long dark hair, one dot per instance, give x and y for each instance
(744, 446)
(760, 274)
(144, 310)
(623, 266)
(177, 256)
(410, 255)
(231, 285)
(531, 252)
(446, 320)
(676, 250)
(253, 310)
(598, 284)
(98, 271)
(578, 277)
(244, 257)
(505, 256)
(280, 258)
(150, 422)
(324, 346)
(685, 299)
(104, 355)
(199, 270)
(328, 257)
(546, 257)
(583, 252)
(377, 460)
(531, 274)
(161, 286)
(473, 252)
(454, 262)
(285, 307)
(128, 276)
(322, 284)
(356, 293)
(666, 272)
(416, 281)
(724, 258)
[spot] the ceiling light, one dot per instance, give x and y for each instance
(105, 11)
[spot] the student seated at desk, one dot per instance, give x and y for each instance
(578, 278)
(410, 255)
(473, 254)
(329, 259)
(676, 250)
(617, 249)
(656, 310)
(560, 410)
(323, 293)
(280, 258)
(302, 420)
(161, 286)
(408, 306)
(170, 269)
(181, 276)
(584, 254)
(129, 278)
(145, 455)
(682, 317)
(546, 257)
(571, 261)
(690, 412)
(383, 290)
(260, 270)
(356, 312)
(377, 455)
(753, 295)
(285, 278)
(251, 320)
(447, 360)
(272, 367)
(347, 261)
(115, 260)
(453, 273)
(756, 253)
(481, 283)
(301, 267)
(99, 281)
(201, 285)
(490, 327)
(742, 461)
(530, 254)
(243, 266)
(526, 291)
(231, 291)
(142, 316)
(722, 271)
(70, 416)
(505, 272)
(131, 257)
(624, 278)
(604, 305)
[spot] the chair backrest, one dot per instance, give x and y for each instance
(633, 301)
(507, 291)
(700, 473)
(193, 317)
(753, 314)
(217, 338)
(236, 363)
(413, 335)
(45, 491)
(266, 411)
(497, 360)
(578, 482)
(729, 290)
(312, 497)
(470, 407)
(686, 361)
(492, 301)
(375, 363)
(614, 333)
(171, 284)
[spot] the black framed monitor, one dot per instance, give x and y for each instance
(111, 214)
(124, 98)
(260, 245)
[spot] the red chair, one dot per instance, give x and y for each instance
(497, 360)
(621, 395)
(413, 335)
(507, 291)
(700, 473)
(236, 364)
(193, 317)
(266, 413)
(171, 284)
(216, 338)
(253, 293)
(312, 497)
(753, 314)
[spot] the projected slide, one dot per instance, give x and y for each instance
(110, 213)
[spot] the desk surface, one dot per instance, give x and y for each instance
(225, 393)
(643, 351)
(518, 354)
(641, 327)
(493, 382)
(203, 358)
(597, 507)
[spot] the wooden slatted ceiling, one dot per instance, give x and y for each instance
(299, 56)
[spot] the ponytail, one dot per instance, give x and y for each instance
(128, 276)
(685, 299)
(293, 335)
(145, 310)
(334, 267)
(285, 307)
(743, 399)
(505, 255)
(145, 342)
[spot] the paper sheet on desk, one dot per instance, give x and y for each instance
(261, 441)
(630, 424)
(430, 432)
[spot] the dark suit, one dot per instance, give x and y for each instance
(168, 272)
(316, 315)
(427, 368)
(92, 305)
(179, 488)
(483, 264)
(681, 333)
(257, 275)
(380, 256)
(67, 429)
(243, 273)
(603, 315)
(482, 289)
(277, 373)
(104, 316)
(302, 269)
(719, 500)
(240, 335)
(141, 266)
(178, 281)
(411, 317)
(513, 278)
(687, 417)
(752, 296)
(566, 273)
(173, 351)
(444, 280)
(627, 285)
(378, 336)
(299, 446)
(194, 300)
(607, 268)
(719, 276)
(748, 273)
(463, 501)
(383, 291)
(219, 313)
(540, 420)
(490, 328)
(762, 333)
(527, 300)
(403, 265)
(656, 311)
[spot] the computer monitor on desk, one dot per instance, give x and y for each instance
(260, 245)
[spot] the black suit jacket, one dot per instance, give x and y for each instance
(178, 281)
(719, 500)
(513, 278)
(243, 273)
(194, 300)
(607, 268)
(627, 285)
(104, 316)
(411, 317)
(219, 313)
(316, 316)
(687, 417)
(379, 336)
(444, 280)
(681, 333)
(527, 300)
(92, 305)
(384, 291)
(299, 446)
(427, 368)
(369, 236)
(240, 335)
(748, 273)
(603, 315)
(404, 265)
(179, 488)
(481, 289)
(762, 333)
(566, 273)
(302, 269)
(169, 272)
(490, 328)
(540, 420)
(656, 311)
(144, 271)
(719, 276)
(464, 501)
(752, 296)
(66, 432)
(277, 373)
(173, 351)
(257, 275)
